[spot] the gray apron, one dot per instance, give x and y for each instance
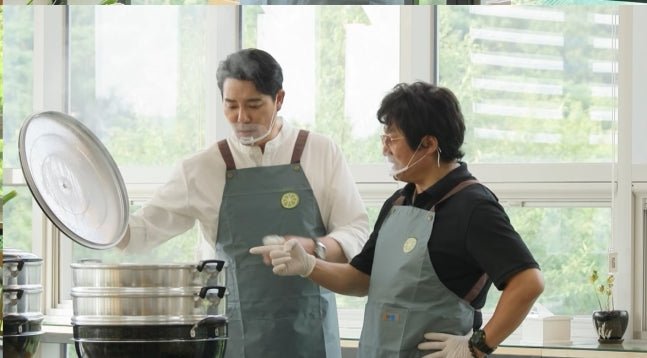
(272, 316)
(406, 299)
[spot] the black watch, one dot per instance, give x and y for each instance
(320, 249)
(478, 341)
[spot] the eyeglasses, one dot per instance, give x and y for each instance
(387, 139)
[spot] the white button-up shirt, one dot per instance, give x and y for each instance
(194, 192)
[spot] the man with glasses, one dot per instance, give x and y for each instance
(268, 178)
(438, 245)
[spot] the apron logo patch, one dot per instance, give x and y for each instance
(409, 245)
(289, 200)
(392, 317)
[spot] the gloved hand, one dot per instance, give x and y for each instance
(270, 243)
(292, 260)
(446, 345)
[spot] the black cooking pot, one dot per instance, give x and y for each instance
(205, 339)
(14, 324)
(21, 346)
(21, 336)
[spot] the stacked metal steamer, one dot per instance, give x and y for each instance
(120, 310)
(21, 305)
(132, 310)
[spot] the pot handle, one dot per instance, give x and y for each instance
(15, 298)
(207, 293)
(13, 324)
(219, 321)
(209, 264)
(15, 269)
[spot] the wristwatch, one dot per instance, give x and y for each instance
(320, 249)
(478, 341)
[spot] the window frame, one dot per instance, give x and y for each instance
(528, 184)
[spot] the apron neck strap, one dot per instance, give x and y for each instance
(226, 154)
(460, 186)
(225, 151)
(299, 145)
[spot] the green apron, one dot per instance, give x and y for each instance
(272, 316)
(406, 299)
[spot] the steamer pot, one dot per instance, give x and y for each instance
(137, 275)
(20, 268)
(146, 301)
(15, 324)
(21, 335)
(21, 345)
(206, 338)
(22, 299)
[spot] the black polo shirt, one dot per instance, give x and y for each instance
(472, 234)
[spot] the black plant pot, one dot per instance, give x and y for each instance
(610, 325)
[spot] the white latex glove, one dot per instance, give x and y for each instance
(270, 243)
(292, 260)
(446, 345)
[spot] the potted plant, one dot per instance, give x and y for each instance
(610, 323)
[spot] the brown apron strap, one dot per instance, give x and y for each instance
(399, 200)
(480, 283)
(462, 185)
(298, 146)
(226, 154)
(476, 289)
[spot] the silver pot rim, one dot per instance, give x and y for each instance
(130, 266)
(193, 340)
(10, 255)
(24, 334)
(35, 317)
(25, 288)
(121, 292)
(136, 320)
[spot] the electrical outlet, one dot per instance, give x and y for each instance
(613, 262)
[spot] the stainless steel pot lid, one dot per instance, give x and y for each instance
(15, 255)
(74, 179)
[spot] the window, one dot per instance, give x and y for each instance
(331, 84)
(330, 78)
(147, 105)
(18, 51)
(538, 85)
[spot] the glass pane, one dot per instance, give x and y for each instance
(350, 310)
(180, 249)
(137, 79)
(568, 243)
(17, 218)
(346, 60)
(17, 76)
(16, 103)
(536, 84)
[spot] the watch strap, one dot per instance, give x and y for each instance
(478, 341)
(319, 249)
